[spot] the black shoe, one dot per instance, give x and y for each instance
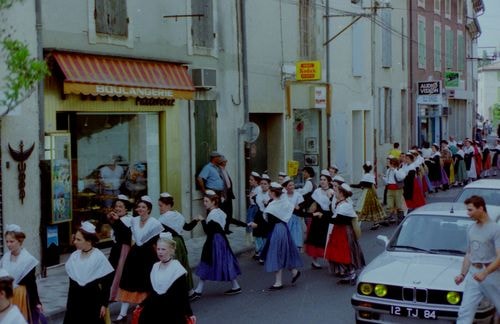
(315, 266)
(232, 291)
(228, 232)
(374, 227)
(274, 288)
(261, 262)
(194, 296)
(384, 223)
(256, 257)
(296, 277)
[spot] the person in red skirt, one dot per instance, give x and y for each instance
(319, 213)
(342, 249)
(412, 191)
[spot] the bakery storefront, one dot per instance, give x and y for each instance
(105, 135)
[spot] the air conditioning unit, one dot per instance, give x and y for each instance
(204, 78)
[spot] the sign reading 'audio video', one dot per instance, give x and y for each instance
(308, 70)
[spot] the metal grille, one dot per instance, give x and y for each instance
(415, 294)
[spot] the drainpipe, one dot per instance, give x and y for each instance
(243, 160)
(328, 117)
(41, 121)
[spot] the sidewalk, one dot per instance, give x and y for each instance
(53, 289)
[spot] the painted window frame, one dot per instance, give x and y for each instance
(438, 61)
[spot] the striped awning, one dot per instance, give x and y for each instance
(115, 76)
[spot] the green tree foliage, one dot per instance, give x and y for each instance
(23, 71)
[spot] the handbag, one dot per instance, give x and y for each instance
(356, 227)
(136, 314)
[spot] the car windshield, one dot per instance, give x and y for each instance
(431, 234)
(491, 196)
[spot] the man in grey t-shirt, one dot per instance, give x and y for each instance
(481, 265)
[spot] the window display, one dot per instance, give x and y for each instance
(113, 152)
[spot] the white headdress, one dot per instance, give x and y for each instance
(88, 227)
(13, 228)
(165, 195)
(147, 199)
(166, 235)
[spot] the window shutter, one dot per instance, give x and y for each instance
(202, 27)
(100, 16)
(386, 38)
(205, 122)
(118, 22)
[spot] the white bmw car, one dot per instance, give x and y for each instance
(413, 279)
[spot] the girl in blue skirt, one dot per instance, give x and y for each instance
(280, 251)
(218, 262)
(296, 223)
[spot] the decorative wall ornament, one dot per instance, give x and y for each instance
(20, 157)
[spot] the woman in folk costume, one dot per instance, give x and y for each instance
(459, 164)
(486, 159)
(319, 213)
(9, 312)
(343, 251)
(478, 159)
(21, 265)
(120, 222)
(470, 161)
(168, 301)
(369, 207)
(412, 191)
(218, 262)
(255, 189)
(436, 173)
(173, 222)
(446, 157)
(134, 284)
(496, 157)
(90, 275)
(280, 251)
(296, 222)
(259, 225)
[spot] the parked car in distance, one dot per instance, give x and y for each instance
(489, 189)
(413, 279)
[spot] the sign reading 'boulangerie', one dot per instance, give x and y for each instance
(427, 88)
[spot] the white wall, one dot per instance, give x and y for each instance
(21, 125)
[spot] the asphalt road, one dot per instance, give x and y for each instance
(316, 298)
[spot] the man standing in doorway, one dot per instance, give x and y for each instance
(481, 264)
(210, 176)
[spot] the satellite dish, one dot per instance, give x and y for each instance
(250, 132)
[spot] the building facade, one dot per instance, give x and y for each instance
(19, 135)
(489, 93)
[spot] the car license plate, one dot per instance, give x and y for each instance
(413, 312)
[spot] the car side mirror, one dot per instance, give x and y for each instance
(383, 238)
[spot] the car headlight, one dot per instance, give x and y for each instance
(453, 297)
(380, 290)
(366, 288)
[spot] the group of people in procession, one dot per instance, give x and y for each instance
(148, 265)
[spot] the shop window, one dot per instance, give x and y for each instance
(205, 121)
(306, 139)
(202, 28)
(116, 154)
(111, 17)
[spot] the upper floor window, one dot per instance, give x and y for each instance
(421, 43)
(306, 25)
(421, 3)
(460, 11)
(447, 9)
(460, 51)
(437, 7)
(437, 47)
(202, 28)
(111, 17)
(386, 39)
